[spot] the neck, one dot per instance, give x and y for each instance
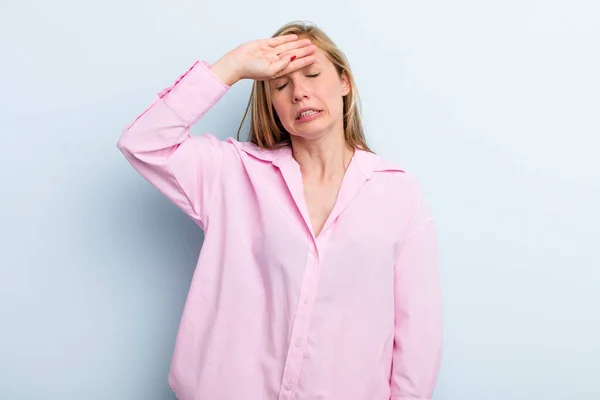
(324, 159)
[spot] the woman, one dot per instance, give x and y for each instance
(318, 275)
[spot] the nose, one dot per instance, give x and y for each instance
(300, 92)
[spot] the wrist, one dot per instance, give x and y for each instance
(225, 70)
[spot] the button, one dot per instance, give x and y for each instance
(288, 386)
(306, 300)
(298, 342)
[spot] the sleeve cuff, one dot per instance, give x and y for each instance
(194, 92)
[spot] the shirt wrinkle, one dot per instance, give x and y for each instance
(299, 317)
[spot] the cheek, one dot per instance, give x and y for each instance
(332, 94)
(281, 110)
(335, 101)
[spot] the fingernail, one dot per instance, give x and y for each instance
(293, 58)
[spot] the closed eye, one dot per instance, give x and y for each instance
(309, 76)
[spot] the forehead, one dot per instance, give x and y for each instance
(321, 57)
(321, 60)
(322, 63)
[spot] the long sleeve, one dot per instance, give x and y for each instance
(159, 146)
(418, 322)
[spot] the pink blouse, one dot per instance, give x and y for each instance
(274, 312)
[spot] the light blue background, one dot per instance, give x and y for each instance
(493, 105)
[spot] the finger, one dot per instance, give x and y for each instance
(276, 41)
(297, 44)
(299, 52)
(292, 66)
(278, 68)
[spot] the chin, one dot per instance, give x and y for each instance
(311, 131)
(312, 134)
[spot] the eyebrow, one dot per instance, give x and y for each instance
(286, 76)
(305, 67)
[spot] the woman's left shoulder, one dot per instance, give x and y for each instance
(372, 164)
(387, 172)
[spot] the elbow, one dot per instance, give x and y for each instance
(125, 146)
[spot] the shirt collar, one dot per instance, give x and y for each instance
(367, 162)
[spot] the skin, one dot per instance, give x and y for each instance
(319, 146)
(310, 80)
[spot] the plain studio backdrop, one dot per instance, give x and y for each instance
(494, 106)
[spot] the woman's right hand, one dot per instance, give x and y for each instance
(265, 59)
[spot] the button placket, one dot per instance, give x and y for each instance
(301, 325)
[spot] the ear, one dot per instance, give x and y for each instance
(345, 84)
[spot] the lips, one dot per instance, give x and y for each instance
(300, 112)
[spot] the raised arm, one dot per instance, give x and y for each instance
(159, 146)
(158, 143)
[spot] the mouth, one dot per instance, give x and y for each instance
(307, 113)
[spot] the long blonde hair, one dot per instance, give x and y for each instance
(267, 131)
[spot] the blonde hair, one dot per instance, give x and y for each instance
(267, 131)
